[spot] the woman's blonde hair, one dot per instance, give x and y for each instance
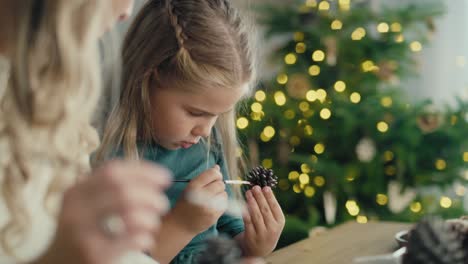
(47, 105)
(179, 44)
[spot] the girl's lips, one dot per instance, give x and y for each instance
(186, 145)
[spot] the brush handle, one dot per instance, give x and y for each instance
(238, 182)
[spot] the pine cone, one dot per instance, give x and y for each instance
(432, 241)
(262, 177)
(219, 250)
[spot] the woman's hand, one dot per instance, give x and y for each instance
(116, 209)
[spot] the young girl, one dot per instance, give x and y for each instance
(50, 211)
(186, 65)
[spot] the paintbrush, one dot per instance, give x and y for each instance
(234, 182)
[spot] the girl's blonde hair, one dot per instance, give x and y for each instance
(53, 87)
(179, 44)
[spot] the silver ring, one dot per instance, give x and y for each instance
(113, 226)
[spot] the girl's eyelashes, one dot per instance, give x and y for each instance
(196, 114)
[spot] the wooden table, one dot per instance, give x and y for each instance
(340, 245)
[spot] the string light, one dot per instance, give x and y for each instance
(440, 164)
(353, 208)
(318, 55)
(416, 207)
(355, 98)
(465, 156)
(269, 131)
(257, 116)
(297, 188)
(321, 95)
(298, 36)
(282, 78)
(388, 156)
(311, 3)
(445, 202)
(314, 158)
(381, 199)
(289, 114)
(295, 140)
(304, 106)
(300, 47)
(390, 170)
(304, 178)
(242, 122)
(368, 66)
(267, 163)
(395, 27)
(382, 126)
(305, 168)
(256, 107)
(336, 24)
(319, 181)
(260, 95)
(345, 5)
(399, 38)
(361, 219)
(386, 101)
(290, 58)
(314, 70)
(293, 175)
(324, 6)
(325, 113)
(460, 190)
(340, 86)
(280, 98)
(358, 33)
(283, 185)
(309, 191)
(383, 27)
(416, 46)
(308, 130)
(319, 148)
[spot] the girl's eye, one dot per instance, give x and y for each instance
(196, 114)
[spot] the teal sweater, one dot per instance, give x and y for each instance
(188, 164)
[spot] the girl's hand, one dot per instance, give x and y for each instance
(193, 217)
(264, 222)
(116, 209)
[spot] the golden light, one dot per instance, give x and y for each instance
(319, 148)
(460, 190)
(298, 36)
(416, 207)
(358, 33)
(324, 6)
(282, 78)
(295, 140)
(381, 199)
(465, 156)
(383, 27)
(361, 219)
(336, 24)
(445, 202)
(308, 130)
(269, 131)
(440, 164)
(313, 158)
(386, 101)
(290, 58)
(242, 123)
(453, 120)
(293, 175)
(390, 170)
(319, 181)
(289, 114)
(257, 116)
(304, 106)
(305, 168)
(301, 47)
(368, 66)
(395, 27)
(353, 208)
(280, 98)
(297, 188)
(314, 70)
(309, 191)
(260, 95)
(399, 38)
(355, 98)
(311, 3)
(340, 86)
(382, 126)
(416, 46)
(304, 178)
(256, 107)
(325, 113)
(267, 163)
(318, 55)
(321, 95)
(344, 5)
(283, 184)
(388, 155)
(264, 138)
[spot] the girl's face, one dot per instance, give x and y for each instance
(180, 118)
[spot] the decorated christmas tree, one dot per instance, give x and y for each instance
(335, 124)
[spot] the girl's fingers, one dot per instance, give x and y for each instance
(255, 213)
(263, 205)
(274, 205)
(248, 224)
